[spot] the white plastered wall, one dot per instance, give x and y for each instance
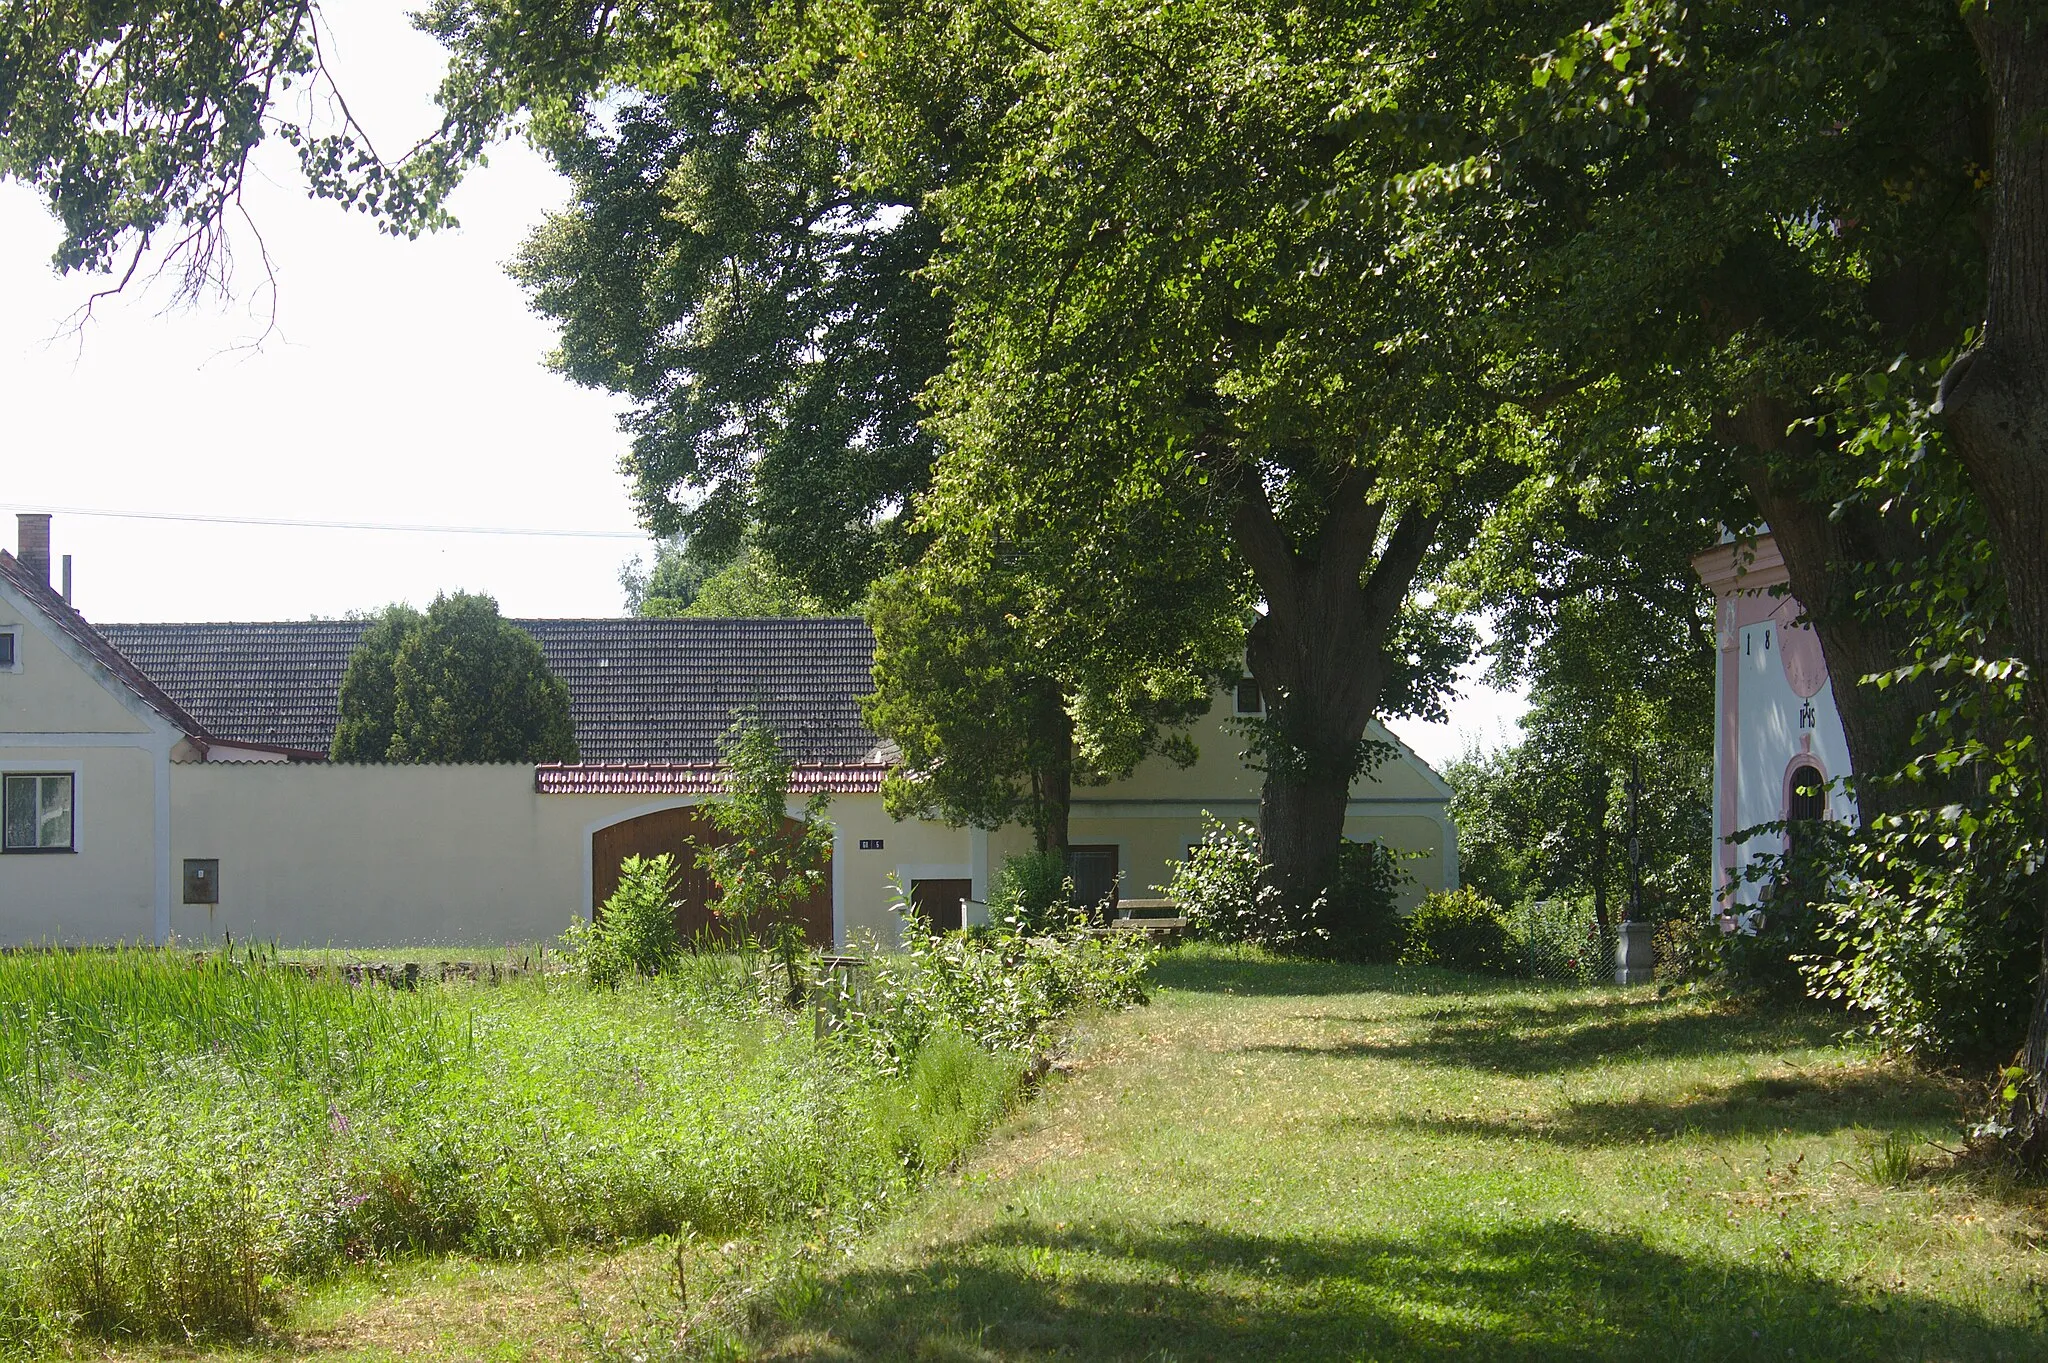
(61, 712)
(316, 854)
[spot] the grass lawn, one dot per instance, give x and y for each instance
(1286, 1161)
(1295, 1161)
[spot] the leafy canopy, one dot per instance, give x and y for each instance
(457, 683)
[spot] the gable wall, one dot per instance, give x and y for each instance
(53, 692)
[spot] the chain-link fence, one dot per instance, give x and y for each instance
(1559, 940)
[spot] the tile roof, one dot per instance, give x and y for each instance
(60, 613)
(640, 691)
(697, 778)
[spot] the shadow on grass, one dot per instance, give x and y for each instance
(1536, 1036)
(1537, 1291)
(1815, 1104)
(1202, 969)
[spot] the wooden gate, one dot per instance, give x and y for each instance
(672, 831)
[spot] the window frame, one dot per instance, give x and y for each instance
(7, 778)
(12, 634)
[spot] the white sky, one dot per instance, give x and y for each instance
(402, 383)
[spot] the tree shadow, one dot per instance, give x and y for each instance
(1534, 1037)
(1211, 970)
(1877, 1098)
(1533, 1290)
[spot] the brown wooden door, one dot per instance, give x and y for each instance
(673, 831)
(1093, 869)
(941, 902)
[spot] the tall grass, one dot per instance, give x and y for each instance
(181, 1142)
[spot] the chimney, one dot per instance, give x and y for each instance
(67, 579)
(34, 544)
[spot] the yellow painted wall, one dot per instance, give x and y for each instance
(104, 891)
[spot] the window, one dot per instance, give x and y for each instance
(9, 648)
(1809, 795)
(37, 815)
(1249, 701)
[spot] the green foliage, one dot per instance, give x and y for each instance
(1003, 990)
(1937, 941)
(1222, 895)
(1219, 890)
(1031, 894)
(768, 866)
(767, 328)
(1358, 913)
(456, 684)
(1459, 930)
(686, 583)
(1559, 939)
(996, 681)
(183, 1144)
(138, 123)
(369, 687)
(635, 930)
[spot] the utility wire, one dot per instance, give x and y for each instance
(295, 524)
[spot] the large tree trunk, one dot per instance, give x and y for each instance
(1319, 657)
(1052, 779)
(1995, 401)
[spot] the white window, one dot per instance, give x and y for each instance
(10, 649)
(37, 812)
(1248, 700)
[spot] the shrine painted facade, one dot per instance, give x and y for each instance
(1779, 751)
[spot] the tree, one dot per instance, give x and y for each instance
(455, 684)
(722, 268)
(768, 866)
(681, 583)
(1168, 271)
(1024, 656)
(136, 121)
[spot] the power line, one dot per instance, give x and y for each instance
(297, 524)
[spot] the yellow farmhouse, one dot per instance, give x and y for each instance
(167, 781)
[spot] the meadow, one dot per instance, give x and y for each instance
(186, 1147)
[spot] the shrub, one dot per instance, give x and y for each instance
(1001, 990)
(635, 931)
(768, 867)
(1220, 895)
(1032, 894)
(1218, 889)
(1560, 939)
(1459, 930)
(1359, 916)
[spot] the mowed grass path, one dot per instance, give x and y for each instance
(1290, 1161)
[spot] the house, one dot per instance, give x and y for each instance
(170, 780)
(1779, 751)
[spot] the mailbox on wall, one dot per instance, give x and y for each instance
(202, 880)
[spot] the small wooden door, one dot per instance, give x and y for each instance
(942, 903)
(1093, 869)
(676, 831)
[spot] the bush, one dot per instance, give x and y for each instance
(1032, 894)
(1940, 956)
(1459, 930)
(1001, 990)
(1218, 890)
(1560, 939)
(1219, 893)
(635, 931)
(1359, 917)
